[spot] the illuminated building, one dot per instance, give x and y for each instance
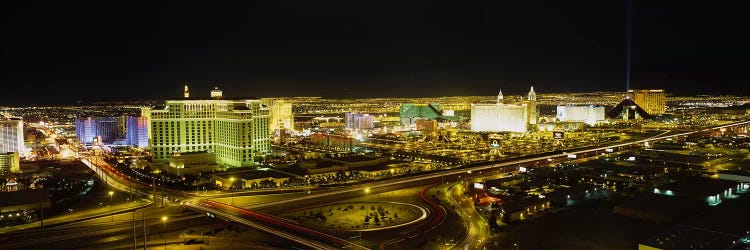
(11, 135)
(499, 117)
(427, 126)
(628, 110)
(137, 131)
(333, 140)
(358, 121)
(187, 91)
(411, 112)
(587, 114)
(652, 101)
(533, 113)
(192, 163)
(85, 130)
(216, 93)
(281, 116)
(107, 128)
(504, 117)
(9, 163)
(235, 130)
(122, 123)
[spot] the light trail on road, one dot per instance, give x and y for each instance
(477, 170)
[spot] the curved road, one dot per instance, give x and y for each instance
(431, 178)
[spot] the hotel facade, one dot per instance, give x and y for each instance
(653, 101)
(236, 131)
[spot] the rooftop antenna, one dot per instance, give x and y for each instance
(628, 46)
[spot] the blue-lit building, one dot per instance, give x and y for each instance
(108, 129)
(86, 130)
(358, 120)
(137, 131)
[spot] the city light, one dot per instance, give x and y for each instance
(362, 143)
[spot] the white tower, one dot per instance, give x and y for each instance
(187, 91)
(533, 114)
(216, 93)
(500, 96)
(532, 95)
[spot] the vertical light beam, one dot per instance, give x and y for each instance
(628, 46)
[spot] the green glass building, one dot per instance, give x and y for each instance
(410, 112)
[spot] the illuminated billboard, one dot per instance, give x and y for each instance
(558, 135)
(494, 143)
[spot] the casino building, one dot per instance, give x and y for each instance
(653, 101)
(235, 131)
(586, 114)
(504, 117)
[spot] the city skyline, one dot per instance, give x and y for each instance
(361, 50)
(374, 125)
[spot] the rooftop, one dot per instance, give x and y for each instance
(522, 204)
(698, 186)
(256, 174)
(672, 206)
(686, 237)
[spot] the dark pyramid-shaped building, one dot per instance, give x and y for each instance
(628, 110)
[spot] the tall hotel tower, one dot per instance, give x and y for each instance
(281, 113)
(652, 101)
(11, 135)
(533, 113)
(235, 130)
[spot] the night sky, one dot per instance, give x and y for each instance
(123, 50)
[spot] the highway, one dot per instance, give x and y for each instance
(479, 170)
(115, 179)
(95, 233)
(477, 229)
(249, 218)
(229, 212)
(121, 182)
(438, 218)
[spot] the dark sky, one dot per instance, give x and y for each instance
(120, 50)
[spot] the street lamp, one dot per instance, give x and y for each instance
(110, 204)
(367, 190)
(164, 226)
(516, 245)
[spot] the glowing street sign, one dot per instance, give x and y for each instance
(558, 135)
